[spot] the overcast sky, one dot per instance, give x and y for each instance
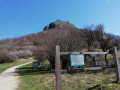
(22, 17)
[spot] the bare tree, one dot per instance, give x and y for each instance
(68, 39)
(89, 37)
(106, 41)
(90, 41)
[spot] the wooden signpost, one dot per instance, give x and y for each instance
(57, 69)
(78, 60)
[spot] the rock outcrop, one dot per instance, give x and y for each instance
(59, 24)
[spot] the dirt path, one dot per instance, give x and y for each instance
(9, 80)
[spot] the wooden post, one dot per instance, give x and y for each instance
(72, 68)
(57, 68)
(83, 67)
(116, 60)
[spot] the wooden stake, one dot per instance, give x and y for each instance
(72, 68)
(83, 67)
(57, 69)
(116, 60)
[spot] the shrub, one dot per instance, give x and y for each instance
(39, 54)
(5, 56)
(23, 53)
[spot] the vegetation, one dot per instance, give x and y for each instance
(90, 38)
(41, 45)
(4, 66)
(45, 80)
(5, 56)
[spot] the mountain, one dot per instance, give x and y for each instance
(59, 24)
(58, 32)
(36, 38)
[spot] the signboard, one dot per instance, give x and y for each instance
(77, 59)
(36, 64)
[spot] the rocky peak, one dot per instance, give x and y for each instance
(59, 24)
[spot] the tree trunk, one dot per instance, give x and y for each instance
(93, 59)
(106, 60)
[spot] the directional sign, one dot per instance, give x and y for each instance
(77, 59)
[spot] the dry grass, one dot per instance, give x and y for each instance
(45, 80)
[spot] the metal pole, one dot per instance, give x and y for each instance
(57, 68)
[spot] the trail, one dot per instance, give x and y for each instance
(9, 80)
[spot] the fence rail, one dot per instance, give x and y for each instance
(118, 51)
(86, 52)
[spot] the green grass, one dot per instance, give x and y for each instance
(45, 80)
(4, 66)
(111, 59)
(45, 62)
(34, 80)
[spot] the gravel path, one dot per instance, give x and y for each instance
(9, 80)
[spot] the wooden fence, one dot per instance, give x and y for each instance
(57, 63)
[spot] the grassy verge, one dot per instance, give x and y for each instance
(4, 66)
(33, 80)
(45, 80)
(45, 62)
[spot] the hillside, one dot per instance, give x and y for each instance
(60, 33)
(31, 39)
(24, 46)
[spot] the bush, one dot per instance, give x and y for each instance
(39, 54)
(23, 53)
(5, 56)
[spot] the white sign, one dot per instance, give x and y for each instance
(77, 59)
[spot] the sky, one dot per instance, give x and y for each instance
(23, 17)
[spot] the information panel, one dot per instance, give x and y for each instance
(77, 59)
